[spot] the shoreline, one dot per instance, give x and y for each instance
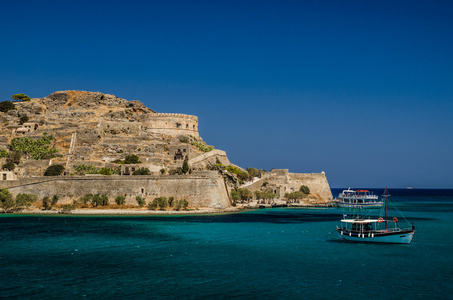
(144, 212)
(131, 212)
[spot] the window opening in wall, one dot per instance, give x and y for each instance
(187, 126)
(178, 125)
(193, 126)
(143, 190)
(183, 150)
(4, 176)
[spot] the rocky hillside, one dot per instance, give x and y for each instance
(97, 129)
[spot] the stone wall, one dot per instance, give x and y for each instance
(171, 124)
(201, 189)
(209, 158)
(281, 182)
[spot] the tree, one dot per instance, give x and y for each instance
(6, 199)
(54, 170)
(304, 189)
(141, 171)
(171, 201)
(25, 199)
(132, 159)
(245, 194)
(163, 203)
(20, 98)
(185, 203)
(153, 204)
(96, 200)
(55, 199)
(120, 200)
(185, 165)
(162, 171)
(253, 172)
(6, 106)
(140, 201)
(23, 119)
(14, 157)
(87, 198)
(9, 166)
(46, 202)
(104, 200)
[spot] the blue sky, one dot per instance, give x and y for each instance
(362, 90)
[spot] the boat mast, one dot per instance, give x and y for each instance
(385, 196)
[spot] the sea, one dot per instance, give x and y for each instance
(274, 253)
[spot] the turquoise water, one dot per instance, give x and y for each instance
(268, 254)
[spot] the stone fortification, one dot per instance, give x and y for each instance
(100, 130)
(97, 129)
(200, 189)
(281, 181)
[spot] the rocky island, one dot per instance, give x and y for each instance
(87, 150)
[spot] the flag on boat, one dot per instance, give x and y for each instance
(344, 216)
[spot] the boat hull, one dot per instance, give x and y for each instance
(362, 205)
(392, 237)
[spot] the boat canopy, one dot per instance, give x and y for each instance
(359, 221)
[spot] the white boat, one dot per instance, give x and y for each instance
(375, 230)
(360, 198)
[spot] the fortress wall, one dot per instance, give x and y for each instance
(201, 189)
(124, 127)
(171, 124)
(317, 182)
(210, 157)
(287, 182)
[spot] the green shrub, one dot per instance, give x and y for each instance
(304, 189)
(153, 204)
(82, 169)
(105, 171)
(20, 97)
(141, 171)
(120, 200)
(183, 139)
(295, 195)
(132, 159)
(140, 201)
(88, 198)
(6, 200)
(6, 106)
(37, 149)
(162, 171)
(46, 202)
(202, 147)
(23, 119)
(171, 201)
(25, 199)
(104, 200)
(185, 165)
(55, 199)
(14, 157)
(9, 166)
(54, 170)
(3, 153)
(163, 203)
